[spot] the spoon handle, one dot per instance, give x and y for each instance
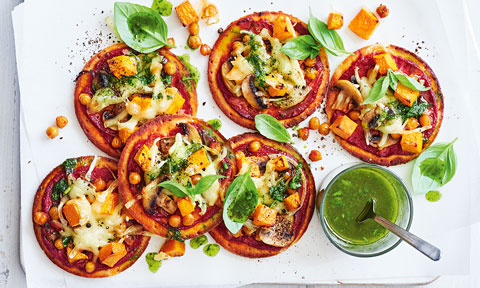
(421, 245)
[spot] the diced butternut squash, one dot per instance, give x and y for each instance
(185, 206)
(75, 256)
(264, 216)
(385, 61)
(281, 163)
(108, 206)
(142, 102)
(283, 28)
(143, 157)
(238, 234)
(177, 103)
(199, 159)
(335, 20)
(72, 213)
(186, 13)
(244, 163)
(123, 65)
(111, 253)
(412, 142)
(124, 134)
(406, 95)
(364, 23)
(292, 202)
(173, 248)
(343, 126)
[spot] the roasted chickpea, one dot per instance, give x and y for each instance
(116, 142)
(425, 120)
(311, 73)
(382, 11)
(324, 129)
(239, 155)
(246, 38)
(254, 146)
(62, 121)
(354, 115)
(170, 68)
(315, 155)
(194, 29)
(58, 244)
(194, 42)
(52, 132)
(314, 123)
(99, 184)
(205, 50)
(303, 133)
(196, 178)
(84, 99)
(53, 212)
(90, 267)
(236, 45)
(188, 220)
(40, 218)
(412, 123)
(309, 62)
(174, 221)
(170, 42)
(134, 178)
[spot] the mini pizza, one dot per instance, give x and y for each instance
(286, 196)
(118, 90)
(80, 222)
(401, 122)
(248, 73)
(173, 174)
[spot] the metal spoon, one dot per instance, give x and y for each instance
(423, 246)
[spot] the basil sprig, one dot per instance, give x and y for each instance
(380, 87)
(140, 27)
(434, 168)
(306, 45)
(241, 199)
(271, 128)
(190, 191)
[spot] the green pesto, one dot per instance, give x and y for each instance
(195, 243)
(211, 249)
(433, 196)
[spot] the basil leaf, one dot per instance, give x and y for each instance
(378, 90)
(393, 80)
(451, 164)
(327, 38)
(172, 186)
(409, 82)
(163, 7)
(69, 165)
(434, 168)
(58, 189)
(216, 123)
(205, 183)
(140, 27)
(241, 199)
(153, 265)
(301, 47)
(271, 128)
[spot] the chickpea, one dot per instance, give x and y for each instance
(134, 178)
(40, 218)
(188, 220)
(239, 155)
(90, 267)
(311, 73)
(116, 142)
(303, 133)
(84, 99)
(196, 178)
(170, 68)
(309, 62)
(354, 115)
(194, 42)
(425, 120)
(254, 146)
(53, 212)
(174, 221)
(99, 184)
(382, 11)
(62, 121)
(170, 42)
(246, 38)
(52, 132)
(314, 123)
(412, 123)
(315, 155)
(205, 50)
(194, 29)
(58, 244)
(324, 129)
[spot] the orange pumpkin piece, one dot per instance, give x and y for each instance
(186, 13)
(364, 23)
(75, 257)
(264, 216)
(173, 248)
(199, 159)
(123, 65)
(72, 213)
(335, 20)
(143, 157)
(244, 163)
(177, 103)
(108, 206)
(412, 142)
(343, 126)
(281, 163)
(283, 28)
(406, 95)
(385, 61)
(111, 253)
(292, 202)
(185, 206)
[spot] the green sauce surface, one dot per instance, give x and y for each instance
(347, 197)
(433, 196)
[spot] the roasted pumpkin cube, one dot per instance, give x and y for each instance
(385, 61)
(173, 248)
(185, 206)
(343, 126)
(335, 20)
(108, 206)
(406, 95)
(199, 159)
(72, 213)
(177, 102)
(75, 256)
(364, 23)
(292, 202)
(142, 102)
(283, 28)
(281, 163)
(123, 65)
(111, 253)
(264, 216)
(244, 163)
(143, 157)
(186, 13)
(412, 142)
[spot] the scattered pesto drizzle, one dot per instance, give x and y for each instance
(194, 72)
(195, 243)
(153, 265)
(211, 249)
(433, 196)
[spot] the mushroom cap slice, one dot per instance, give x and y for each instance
(281, 234)
(349, 98)
(249, 92)
(230, 84)
(149, 195)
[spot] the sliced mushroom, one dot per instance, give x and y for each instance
(251, 93)
(249, 228)
(374, 141)
(369, 119)
(166, 143)
(149, 195)
(230, 84)
(166, 203)
(191, 132)
(349, 97)
(280, 234)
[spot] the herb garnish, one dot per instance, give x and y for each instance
(277, 192)
(180, 191)
(216, 123)
(69, 165)
(58, 189)
(271, 128)
(174, 234)
(296, 181)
